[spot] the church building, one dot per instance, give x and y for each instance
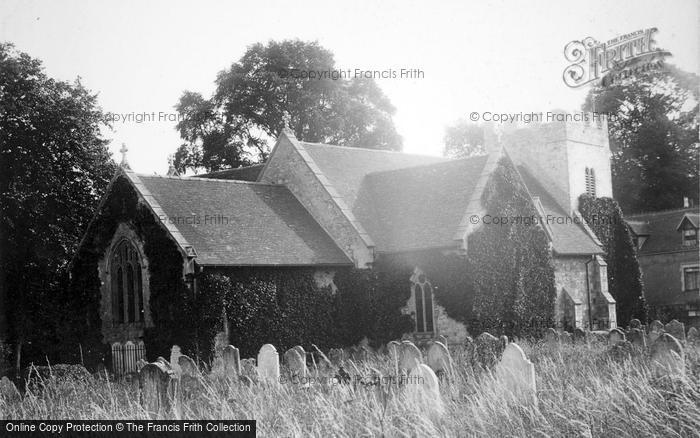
(327, 207)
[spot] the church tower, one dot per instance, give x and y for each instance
(569, 158)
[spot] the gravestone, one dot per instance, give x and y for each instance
(249, 368)
(551, 338)
(423, 389)
(295, 364)
(693, 336)
(676, 329)
(8, 390)
(154, 381)
(439, 359)
(656, 326)
(488, 349)
(637, 338)
(615, 335)
(517, 374)
(188, 366)
(175, 353)
(410, 356)
(269, 364)
(232, 361)
(579, 336)
(667, 355)
(635, 324)
(189, 376)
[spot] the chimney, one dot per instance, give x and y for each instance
(686, 202)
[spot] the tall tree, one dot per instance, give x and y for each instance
(653, 137)
(269, 85)
(54, 168)
(464, 139)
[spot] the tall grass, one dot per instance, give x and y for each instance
(581, 390)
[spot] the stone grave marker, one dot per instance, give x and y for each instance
(249, 367)
(635, 324)
(175, 354)
(423, 389)
(616, 335)
(551, 338)
(676, 329)
(517, 373)
(488, 349)
(637, 338)
(667, 356)
(189, 376)
(439, 359)
(232, 361)
(656, 327)
(269, 364)
(154, 381)
(295, 364)
(8, 390)
(579, 336)
(410, 356)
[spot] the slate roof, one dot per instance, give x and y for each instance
(249, 173)
(662, 228)
(241, 223)
(418, 207)
(568, 236)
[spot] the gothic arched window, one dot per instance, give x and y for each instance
(590, 181)
(423, 293)
(127, 286)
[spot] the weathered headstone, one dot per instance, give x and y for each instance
(635, 323)
(656, 326)
(615, 335)
(188, 366)
(551, 338)
(175, 354)
(220, 342)
(154, 381)
(269, 364)
(8, 390)
(410, 356)
(189, 376)
(579, 336)
(439, 359)
(488, 349)
(676, 329)
(249, 367)
(693, 337)
(423, 389)
(295, 364)
(517, 373)
(232, 361)
(637, 338)
(667, 355)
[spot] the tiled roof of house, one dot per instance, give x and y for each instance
(238, 223)
(249, 173)
(418, 207)
(568, 236)
(662, 228)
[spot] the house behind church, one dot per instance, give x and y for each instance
(327, 207)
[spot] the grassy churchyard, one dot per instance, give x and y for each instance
(586, 387)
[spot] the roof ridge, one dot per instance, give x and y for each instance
(193, 178)
(448, 161)
(357, 148)
(667, 211)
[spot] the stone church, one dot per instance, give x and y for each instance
(329, 207)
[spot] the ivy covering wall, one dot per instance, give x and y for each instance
(604, 217)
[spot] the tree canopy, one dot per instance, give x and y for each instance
(653, 136)
(270, 85)
(55, 168)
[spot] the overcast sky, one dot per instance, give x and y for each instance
(498, 56)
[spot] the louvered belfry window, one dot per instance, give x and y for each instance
(590, 181)
(127, 286)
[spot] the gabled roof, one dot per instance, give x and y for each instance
(237, 223)
(418, 207)
(662, 228)
(568, 235)
(249, 173)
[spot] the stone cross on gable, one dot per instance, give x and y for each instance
(124, 164)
